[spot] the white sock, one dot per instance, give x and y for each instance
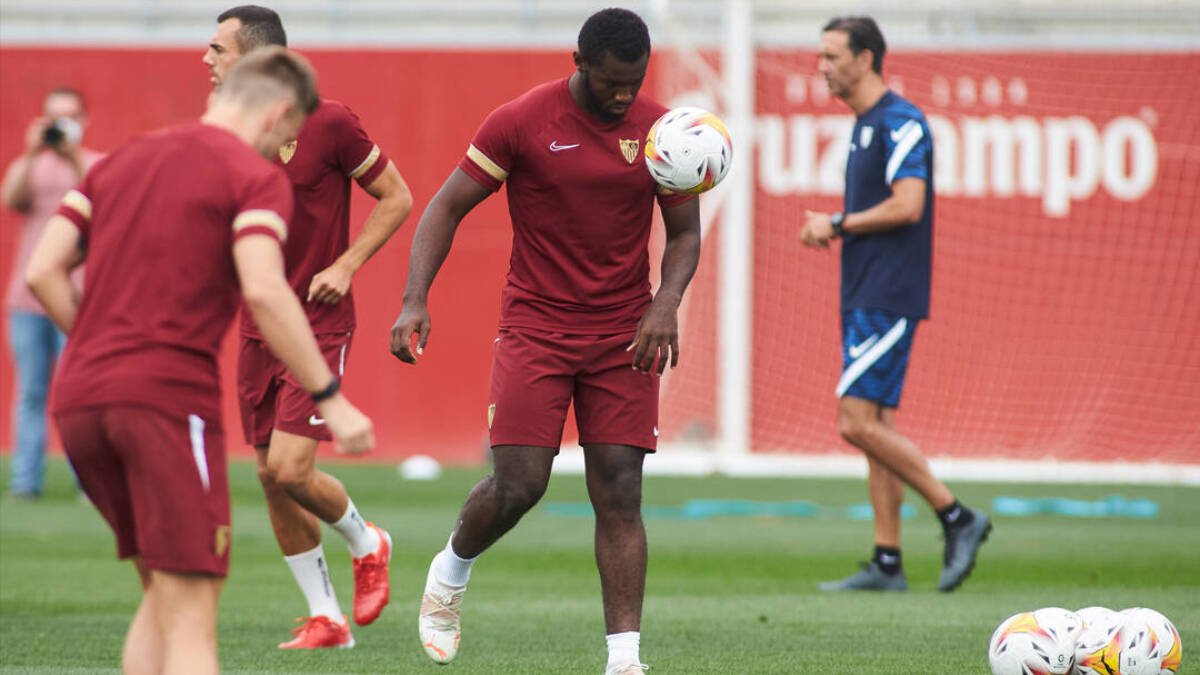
(361, 539)
(623, 648)
(312, 574)
(450, 569)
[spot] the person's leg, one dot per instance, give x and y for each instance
(887, 495)
(614, 482)
(174, 515)
(616, 410)
(496, 504)
(863, 425)
(291, 469)
(32, 339)
(143, 650)
(185, 609)
(964, 530)
(286, 470)
(299, 495)
(530, 391)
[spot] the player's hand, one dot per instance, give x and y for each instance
(330, 285)
(414, 318)
(657, 337)
(817, 230)
(352, 431)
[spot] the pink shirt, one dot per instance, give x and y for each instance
(51, 179)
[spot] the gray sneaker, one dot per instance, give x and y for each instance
(962, 545)
(869, 578)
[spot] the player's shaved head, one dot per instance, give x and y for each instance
(617, 31)
(269, 74)
(864, 35)
(260, 27)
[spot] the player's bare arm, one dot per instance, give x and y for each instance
(431, 244)
(904, 207)
(277, 312)
(49, 272)
(392, 208)
(658, 332)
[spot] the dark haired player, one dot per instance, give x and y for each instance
(277, 418)
(172, 224)
(887, 249)
(577, 318)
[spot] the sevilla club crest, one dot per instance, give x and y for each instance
(629, 148)
(286, 151)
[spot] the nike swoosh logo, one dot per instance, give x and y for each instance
(861, 348)
(555, 147)
(315, 421)
(899, 133)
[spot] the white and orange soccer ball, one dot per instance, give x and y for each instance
(1041, 642)
(1136, 641)
(688, 150)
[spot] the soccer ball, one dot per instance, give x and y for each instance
(688, 150)
(1093, 615)
(1136, 641)
(1098, 649)
(1039, 642)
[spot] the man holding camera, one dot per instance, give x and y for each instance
(54, 161)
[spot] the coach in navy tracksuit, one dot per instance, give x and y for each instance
(887, 232)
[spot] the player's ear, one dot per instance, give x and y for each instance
(866, 58)
(580, 62)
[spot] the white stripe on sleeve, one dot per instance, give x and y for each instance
(912, 134)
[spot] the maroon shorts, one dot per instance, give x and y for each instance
(159, 479)
(536, 374)
(269, 397)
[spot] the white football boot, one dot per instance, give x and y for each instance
(440, 622)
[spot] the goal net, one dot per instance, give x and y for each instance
(1065, 319)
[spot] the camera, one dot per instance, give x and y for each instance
(60, 129)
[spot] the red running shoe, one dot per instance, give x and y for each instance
(371, 585)
(320, 632)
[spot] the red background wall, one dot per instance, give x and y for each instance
(1069, 336)
(422, 108)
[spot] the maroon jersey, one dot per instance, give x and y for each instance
(332, 148)
(159, 217)
(581, 203)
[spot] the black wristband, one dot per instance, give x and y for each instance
(328, 392)
(835, 222)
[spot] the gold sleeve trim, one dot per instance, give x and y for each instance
(367, 163)
(485, 163)
(261, 217)
(79, 202)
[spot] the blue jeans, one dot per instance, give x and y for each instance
(36, 344)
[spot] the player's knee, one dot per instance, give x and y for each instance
(289, 477)
(618, 506)
(517, 497)
(266, 476)
(854, 429)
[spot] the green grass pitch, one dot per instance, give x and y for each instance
(724, 595)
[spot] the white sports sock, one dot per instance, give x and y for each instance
(450, 569)
(361, 539)
(623, 648)
(312, 574)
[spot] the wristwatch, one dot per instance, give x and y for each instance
(835, 221)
